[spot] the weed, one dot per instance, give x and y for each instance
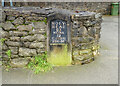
(60, 57)
(9, 54)
(39, 64)
(2, 40)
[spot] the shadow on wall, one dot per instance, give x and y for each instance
(99, 7)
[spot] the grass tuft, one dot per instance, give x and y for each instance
(60, 57)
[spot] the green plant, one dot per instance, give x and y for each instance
(9, 54)
(39, 64)
(45, 20)
(2, 40)
(60, 57)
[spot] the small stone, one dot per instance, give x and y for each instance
(86, 51)
(25, 27)
(17, 39)
(14, 56)
(28, 38)
(18, 33)
(4, 47)
(8, 26)
(10, 18)
(3, 34)
(26, 44)
(14, 50)
(39, 37)
(18, 21)
(40, 51)
(18, 62)
(27, 52)
(39, 25)
(13, 44)
(37, 45)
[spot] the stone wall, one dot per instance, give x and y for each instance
(24, 34)
(99, 7)
(85, 36)
(24, 31)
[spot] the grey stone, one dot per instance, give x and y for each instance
(92, 31)
(3, 34)
(10, 18)
(37, 45)
(25, 27)
(26, 44)
(19, 62)
(17, 39)
(28, 38)
(8, 26)
(13, 44)
(40, 51)
(14, 50)
(34, 18)
(14, 56)
(39, 37)
(27, 52)
(37, 31)
(4, 47)
(18, 33)
(3, 16)
(18, 21)
(39, 25)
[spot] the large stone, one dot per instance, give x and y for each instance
(37, 45)
(31, 18)
(25, 27)
(39, 25)
(8, 26)
(4, 47)
(39, 37)
(19, 62)
(10, 18)
(13, 44)
(17, 39)
(18, 33)
(26, 44)
(40, 51)
(37, 31)
(3, 16)
(28, 38)
(14, 50)
(18, 21)
(27, 52)
(3, 34)
(92, 31)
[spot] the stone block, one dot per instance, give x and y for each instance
(25, 27)
(8, 26)
(18, 62)
(14, 50)
(13, 44)
(16, 39)
(37, 45)
(18, 21)
(18, 33)
(27, 52)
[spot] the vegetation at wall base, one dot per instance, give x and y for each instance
(39, 64)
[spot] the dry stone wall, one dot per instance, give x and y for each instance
(24, 31)
(85, 36)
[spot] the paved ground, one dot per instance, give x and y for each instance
(104, 70)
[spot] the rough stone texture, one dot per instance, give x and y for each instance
(25, 27)
(14, 44)
(17, 33)
(25, 31)
(8, 26)
(18, 21)
(27, 52)
(18, 62)
(37, 45)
